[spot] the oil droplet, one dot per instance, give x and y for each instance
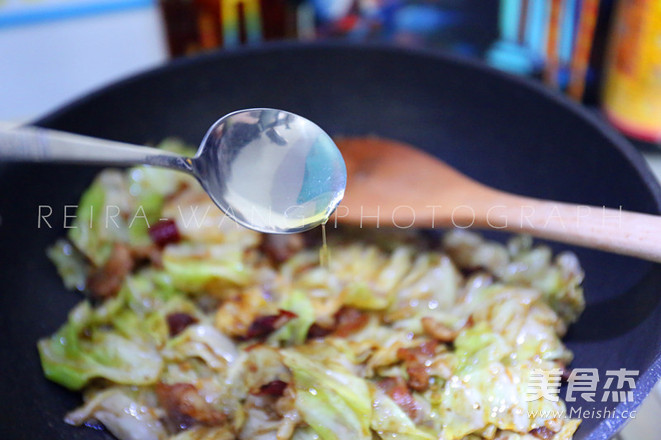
(324, 252)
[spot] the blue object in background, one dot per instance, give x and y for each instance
(466, 27)
(509, 53)
(536, 28)
(509, 19)
(34, 12)
(568, 29)
(424, 19)
(512, 57)
(331, 10)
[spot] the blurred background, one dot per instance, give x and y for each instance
(604, 54)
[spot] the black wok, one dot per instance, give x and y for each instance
(505, 132)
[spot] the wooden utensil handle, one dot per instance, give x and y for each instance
(613, 230)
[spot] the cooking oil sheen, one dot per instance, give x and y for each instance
(324, 252)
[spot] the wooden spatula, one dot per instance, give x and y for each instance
(393, 184)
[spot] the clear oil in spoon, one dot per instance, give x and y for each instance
(272, 171)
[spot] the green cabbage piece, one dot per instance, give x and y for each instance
(191, 271)
(559, 280)
(376, 293)
(148, 291)
(359, 294)
(77, 353)
(334, 402)
(487, 390)
(391, 423)
(379, 294)
(202, 341)
(70, 264)
(296, 330)
(118, 340)
(125, 412)
(478, 347)
(88, 228)
(149, 186)
(139, 193)
(147, 212)
(523, 265)
(305, 433)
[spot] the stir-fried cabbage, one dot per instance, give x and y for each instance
(205, 330)
(390, 422)
(335, 403)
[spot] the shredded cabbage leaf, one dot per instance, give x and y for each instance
(217, 332)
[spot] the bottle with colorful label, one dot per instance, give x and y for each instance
(632, 88)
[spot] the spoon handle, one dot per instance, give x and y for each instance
(33, 144)
(614, 230)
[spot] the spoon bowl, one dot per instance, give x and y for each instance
(271, 170)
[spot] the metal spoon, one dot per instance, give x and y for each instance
(269, 170)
